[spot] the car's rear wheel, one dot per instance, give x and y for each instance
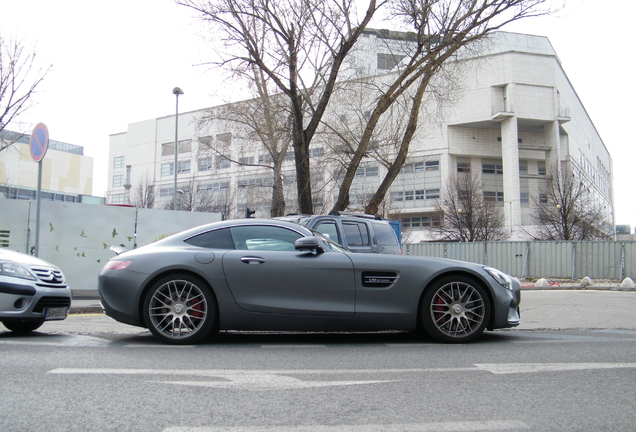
(180, 309)
(455, 309)
(22, 326)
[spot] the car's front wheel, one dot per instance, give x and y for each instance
(455, 309)
(180, 309)
(22, 326)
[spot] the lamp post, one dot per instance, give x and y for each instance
(176, 91)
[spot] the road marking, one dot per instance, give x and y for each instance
(62, 341)
(280, 379)
(465, 426)
(158, 346)
(294, 346)
(515, 368)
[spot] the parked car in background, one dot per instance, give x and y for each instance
(356, 232)
(32, 291)
(274, 275)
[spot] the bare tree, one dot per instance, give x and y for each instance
(566, 209)
(144, 194)
(300, 45)
(19, 77)
(466, 215)
(191, 197)
(264, 120)
(442, 30)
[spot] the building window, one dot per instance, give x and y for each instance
(316, 152)
(421, 222)
(492, 169)
(369, 171)
(247, 160)
(118, 180)
(118, 199)
(412, 167)
(541, 167)
(118, 162)
(523, 167)
(167, 169)
(213, 186)
(222, 162)
(265, 159)
(463, 166)
(525, 199)
(493, 196)
(167, 149)
(432, 165)
(185, 146)
(432, 193)
(205, 164)
(183, 167)
(397, 196)
(388, 61)
(543, 198)
(225, 138)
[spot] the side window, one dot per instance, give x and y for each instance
(217, 239)
(329, 227)
(263, 237)
(385, 235)
(357, 234)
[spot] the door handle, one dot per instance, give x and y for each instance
(252, 260)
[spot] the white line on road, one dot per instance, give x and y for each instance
(465, 426)
(514, 368)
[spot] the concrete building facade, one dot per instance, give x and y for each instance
(67, 175)
(515, 116)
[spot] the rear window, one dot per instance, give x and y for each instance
(385, 235)
(357, 233)
(217, 239)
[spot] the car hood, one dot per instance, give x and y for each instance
(23, 258)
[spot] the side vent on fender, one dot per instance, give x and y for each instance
(373, 279)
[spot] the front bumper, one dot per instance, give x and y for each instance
(29, 302)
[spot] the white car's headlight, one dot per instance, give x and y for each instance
(13, 269)
(503, 279)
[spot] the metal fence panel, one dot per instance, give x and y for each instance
(563, 260)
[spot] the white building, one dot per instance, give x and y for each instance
(67, 175)
(517, 115)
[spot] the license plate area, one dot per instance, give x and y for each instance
(55, 313)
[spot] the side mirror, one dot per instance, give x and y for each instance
(308, 244)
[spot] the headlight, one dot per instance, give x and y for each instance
(13, 269)
(503, 279)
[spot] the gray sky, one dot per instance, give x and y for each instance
(117, 62)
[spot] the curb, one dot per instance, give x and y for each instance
(577, 288)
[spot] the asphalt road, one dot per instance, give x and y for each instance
(569, 367)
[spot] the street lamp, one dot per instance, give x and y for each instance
(176, 91)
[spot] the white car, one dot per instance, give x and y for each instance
(32, 291)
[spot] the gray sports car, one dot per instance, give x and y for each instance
(280, 276)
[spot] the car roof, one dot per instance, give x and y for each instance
(232, 223)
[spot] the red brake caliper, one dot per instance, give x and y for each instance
(439, 301)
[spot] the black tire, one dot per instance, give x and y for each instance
(22, 326)
(180, 309)
(455, 309)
